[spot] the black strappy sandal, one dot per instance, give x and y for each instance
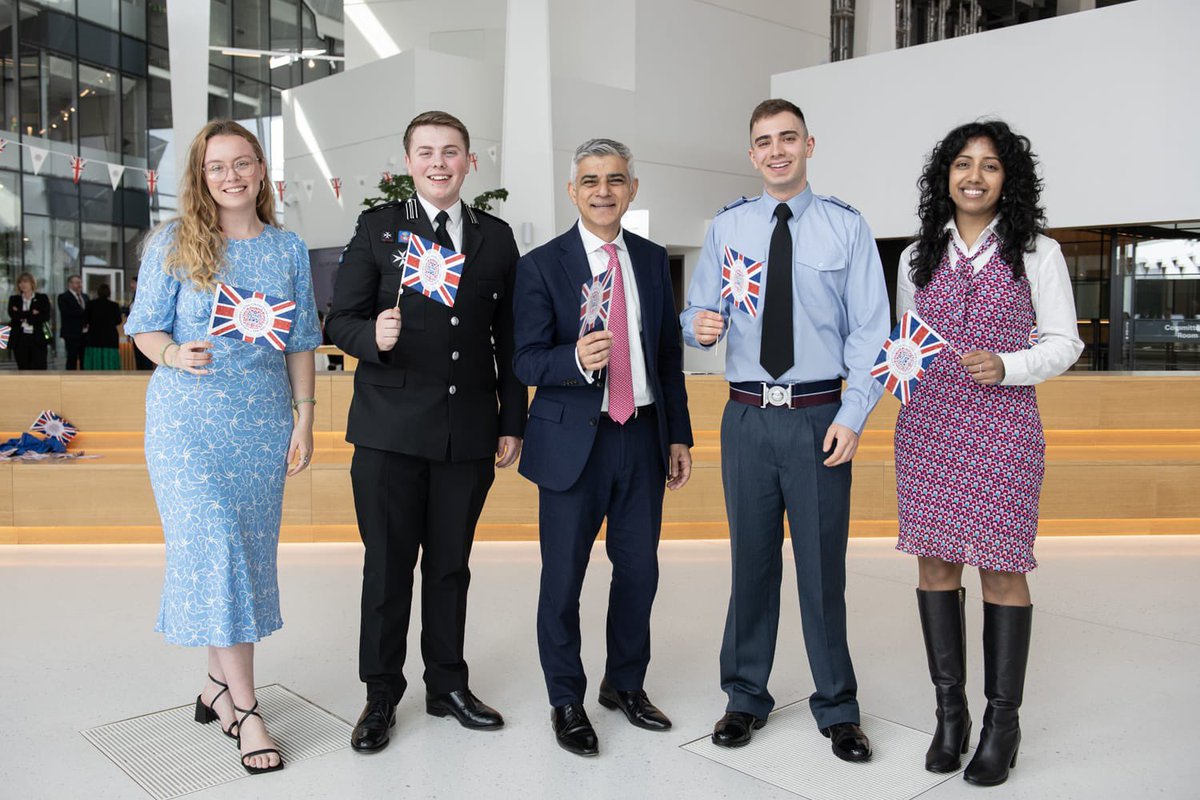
(206, 714)
(255, 770)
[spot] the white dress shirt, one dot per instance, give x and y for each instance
(1058, 345)
(593, 245)
(453, 225)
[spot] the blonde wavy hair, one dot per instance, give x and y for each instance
(197, 248)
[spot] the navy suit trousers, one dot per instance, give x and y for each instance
(623, 481)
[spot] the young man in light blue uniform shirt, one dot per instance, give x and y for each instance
(789, 432)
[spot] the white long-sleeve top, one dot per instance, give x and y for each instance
(1058, 345)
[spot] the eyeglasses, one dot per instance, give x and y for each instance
(244, 167)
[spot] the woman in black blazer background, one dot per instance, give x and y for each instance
(29, 312)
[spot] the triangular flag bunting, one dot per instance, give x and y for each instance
(37, 155)
(279, 187)
(115, 171)
(474, 162)
(336, 183)
(151, 181)
(3, 144)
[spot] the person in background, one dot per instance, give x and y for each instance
(140, 359)
(29, 314)
(225, 420)
(101, 318)
(71, 326)
(969, 443)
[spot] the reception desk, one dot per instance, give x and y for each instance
(1123, 457)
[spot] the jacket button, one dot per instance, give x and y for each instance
(592, 422)
(454, 356)
(454, 321)
(453, 389)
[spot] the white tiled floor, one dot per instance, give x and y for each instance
(1111, 702)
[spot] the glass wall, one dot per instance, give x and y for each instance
(78, 81)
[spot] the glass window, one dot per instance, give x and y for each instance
(249, 102)
(219, 32)
(219, 82)
(39, 26)
(51, 250)
(47, 97)
(133, 17)
(156, 22)
(99, 113)
(285, 27)
(10, 226)
(250, 31)
(98, 202)
(133, 55)
(99, 45)
(104, 12)
(103, 245)
(65, 6)
(133, 121)
(135, 204)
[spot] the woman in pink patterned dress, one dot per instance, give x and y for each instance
(969, 444)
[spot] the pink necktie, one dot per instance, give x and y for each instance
(620, 375)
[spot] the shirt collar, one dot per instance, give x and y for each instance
(798, 204)
(956, 237)
(592, 242)
(454, 211)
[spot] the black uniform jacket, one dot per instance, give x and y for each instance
(446, 391)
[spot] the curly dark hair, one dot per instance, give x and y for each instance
(1021, 217)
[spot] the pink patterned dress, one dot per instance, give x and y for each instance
(970, 458)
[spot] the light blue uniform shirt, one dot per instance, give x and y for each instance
(840, 314)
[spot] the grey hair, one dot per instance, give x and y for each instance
(601, 148)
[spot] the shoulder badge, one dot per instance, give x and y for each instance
(839, 202)
(739, 202)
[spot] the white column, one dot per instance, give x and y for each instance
(188, 38)
(527, 146)
(874, 27)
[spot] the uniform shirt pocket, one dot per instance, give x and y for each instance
(821, 278)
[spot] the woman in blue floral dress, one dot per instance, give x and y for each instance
(220, 430)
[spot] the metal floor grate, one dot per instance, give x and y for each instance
(790, 753)
(169, 755)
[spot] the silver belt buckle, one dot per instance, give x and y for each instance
(776, 396)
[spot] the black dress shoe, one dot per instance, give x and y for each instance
(372, 733)
(637, 707)
(849, 742)
(469, 710)
(735, 728)
(574, 730)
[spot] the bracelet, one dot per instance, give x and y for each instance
(297, 403)
(162, 355)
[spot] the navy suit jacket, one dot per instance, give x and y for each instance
(565, 412)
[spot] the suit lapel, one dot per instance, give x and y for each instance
(649, 285)
(574, 259)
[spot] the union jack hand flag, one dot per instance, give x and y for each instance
(4, 333)
(741, 280)
(54, 426)
(251, 317)
(595, 300)
(432, 270)
(1033, 336)
(906, 355)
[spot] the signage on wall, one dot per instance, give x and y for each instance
(1166, 330)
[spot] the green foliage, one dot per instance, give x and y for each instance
(399, 188)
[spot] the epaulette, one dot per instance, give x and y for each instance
(381, 206)
(473, 212)
(739, 202)
(828, 198)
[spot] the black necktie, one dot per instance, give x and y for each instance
(440, 233)
(776, 353)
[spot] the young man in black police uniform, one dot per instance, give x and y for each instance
(436, 408)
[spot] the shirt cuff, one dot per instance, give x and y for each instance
(587, 375)
(1015, 373)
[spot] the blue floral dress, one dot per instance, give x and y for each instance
(216, 444)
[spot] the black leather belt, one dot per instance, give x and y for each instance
(637, 412)
(791, 395)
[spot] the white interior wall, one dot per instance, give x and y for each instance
(1106, 96)
(380, 99)
(380, 28)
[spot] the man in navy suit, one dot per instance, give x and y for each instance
(608, 428)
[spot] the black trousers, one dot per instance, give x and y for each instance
(29, 351)
(75, 346)
(405, 506)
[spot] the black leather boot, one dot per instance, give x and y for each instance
(943, 624)
(1005, 654)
